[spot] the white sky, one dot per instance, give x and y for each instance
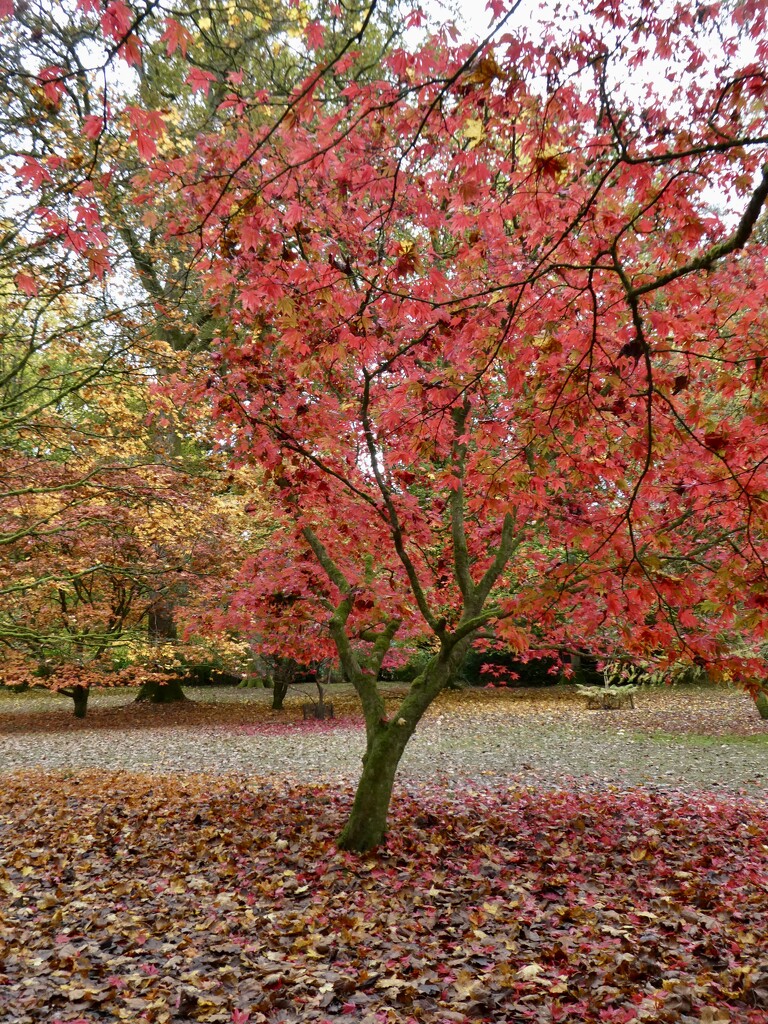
(474, 16)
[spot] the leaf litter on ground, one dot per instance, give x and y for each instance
(687, 709)
(534, 736)
(516, 884)
(129, 897)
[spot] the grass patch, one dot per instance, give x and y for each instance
(698, 740)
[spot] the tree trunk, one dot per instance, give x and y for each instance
(286, 671)
(161, 693)
(366, 826)
(160, 624)
(367, 823)
(761, 703)
(79, 695)
(279, 691)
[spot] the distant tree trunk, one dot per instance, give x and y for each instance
(259, 675)
(161, 693)
(761, 703)
(160, 626)
(285, 673)
(79, 695)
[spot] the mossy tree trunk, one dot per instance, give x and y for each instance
(761, 703)
(161, 693)
(386, 740)
(259, 675)
(279, 693)
(79, 695)
(367, 823)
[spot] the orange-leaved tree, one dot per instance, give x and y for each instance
(99, 527)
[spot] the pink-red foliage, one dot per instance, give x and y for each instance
(498, 343)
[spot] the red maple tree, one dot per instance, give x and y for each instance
(501, 352)
(496, 330)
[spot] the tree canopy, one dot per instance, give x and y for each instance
(491, 321)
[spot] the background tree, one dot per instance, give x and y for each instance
(99, 531)
(78, 122)
(90, 92)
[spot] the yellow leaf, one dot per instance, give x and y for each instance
(474, 132)
(391, 982)
(553, 164)
(638, 855)
(529, 972)
(709, 1015)
(485, 71)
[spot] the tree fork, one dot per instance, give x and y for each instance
(366, 826)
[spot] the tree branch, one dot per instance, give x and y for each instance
(737, 241)
(461, 559)
(394, 521)
(508, 544)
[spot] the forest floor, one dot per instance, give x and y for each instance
(693, 737)
(545, 863)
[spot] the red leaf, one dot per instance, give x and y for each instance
(93, 126)
(315, 35)
(32, 173)
(130, 51)
(52, 80)
(145, 145)
(176, 37)
(200, 80)
(715, 440)
(116, 20)
(26, 283)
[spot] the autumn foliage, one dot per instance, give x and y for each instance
(145, 899)
(491, 325)
(499, 345)
(469, 308)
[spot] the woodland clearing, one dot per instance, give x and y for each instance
(691, 737)
(328, 334)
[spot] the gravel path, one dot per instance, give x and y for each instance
(483, 738)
